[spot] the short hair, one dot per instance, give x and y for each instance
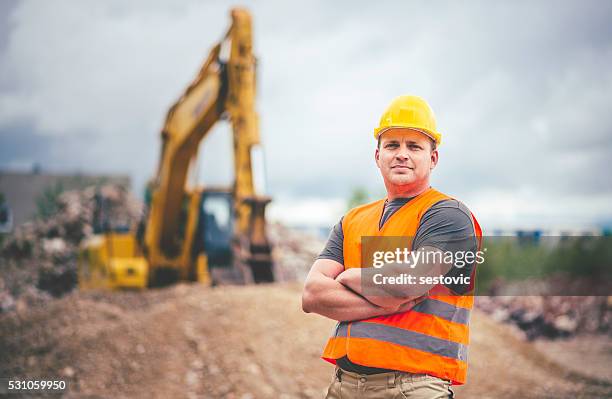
(431, 141)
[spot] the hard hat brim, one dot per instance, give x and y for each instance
(433, 136)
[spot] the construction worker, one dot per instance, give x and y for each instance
(412, 345)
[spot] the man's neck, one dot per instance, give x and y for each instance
(402, 192)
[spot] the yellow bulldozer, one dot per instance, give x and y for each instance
(210, 235)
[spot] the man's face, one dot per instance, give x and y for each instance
(405, 157)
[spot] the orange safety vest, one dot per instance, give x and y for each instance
(431, 338)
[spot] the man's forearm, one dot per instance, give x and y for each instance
(352, 278)
(331, 299)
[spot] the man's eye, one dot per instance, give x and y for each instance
(415, 147)
(391, 145)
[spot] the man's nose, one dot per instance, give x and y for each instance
(403, 154)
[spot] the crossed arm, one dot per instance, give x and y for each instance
(335, 293)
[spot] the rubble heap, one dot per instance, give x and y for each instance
(551, 316)
(293, 252)
(38, 261)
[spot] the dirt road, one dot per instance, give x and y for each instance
(189, 341)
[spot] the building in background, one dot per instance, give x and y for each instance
(24, 191)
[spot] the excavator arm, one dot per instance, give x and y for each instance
(187, 123)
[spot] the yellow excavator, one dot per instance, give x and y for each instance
(210, 235)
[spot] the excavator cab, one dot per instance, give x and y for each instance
(216, 227)
(231, 257)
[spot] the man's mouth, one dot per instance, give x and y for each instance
(401, 167)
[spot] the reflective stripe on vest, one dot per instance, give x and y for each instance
(342, 329)
(432, 337)
(411, 339)
(443, 310)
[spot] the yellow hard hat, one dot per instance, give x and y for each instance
(409, 112)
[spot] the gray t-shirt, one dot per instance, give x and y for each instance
(447, 225)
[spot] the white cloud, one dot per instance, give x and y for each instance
(307, 211)
(529, 209)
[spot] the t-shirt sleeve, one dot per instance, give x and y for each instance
(335, 242)
(448, 226)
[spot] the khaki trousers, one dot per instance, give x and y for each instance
(396, 385)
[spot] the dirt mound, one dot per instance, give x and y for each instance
(236, 342)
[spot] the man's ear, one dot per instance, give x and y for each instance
(434, 159)
(377, 157)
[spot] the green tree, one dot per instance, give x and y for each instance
(46, 203)
(359, 196)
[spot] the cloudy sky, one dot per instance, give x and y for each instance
(522, 92)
